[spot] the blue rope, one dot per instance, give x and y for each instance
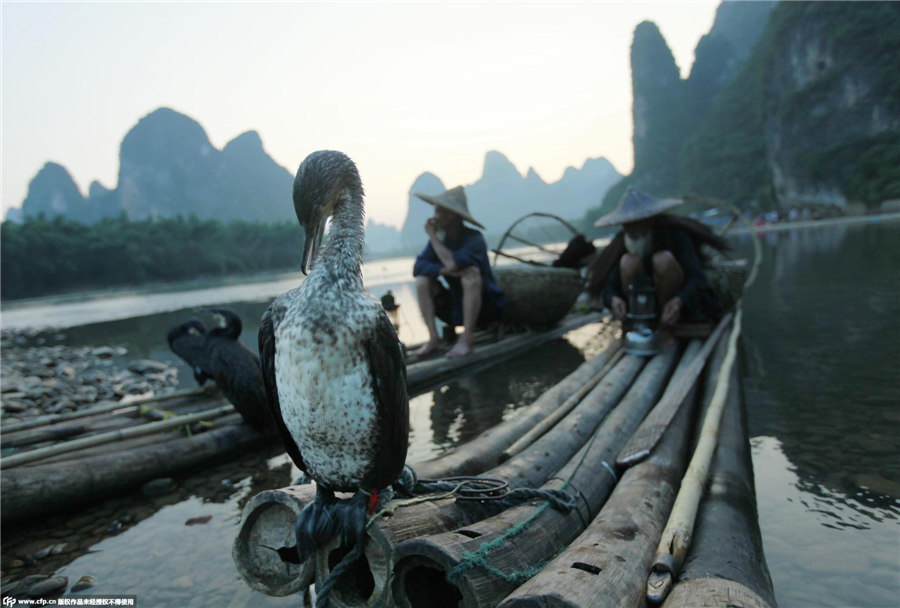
(478, 558)
(337, 572)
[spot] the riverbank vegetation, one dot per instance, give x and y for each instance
(44, 257)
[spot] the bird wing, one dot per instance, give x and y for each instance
(388, 372)
(270, 318)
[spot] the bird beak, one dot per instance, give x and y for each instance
(313, 231)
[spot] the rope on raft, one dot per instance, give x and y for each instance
(462, 488)
(478, 558)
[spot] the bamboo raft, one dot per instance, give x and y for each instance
(617, 439)
(55, 462)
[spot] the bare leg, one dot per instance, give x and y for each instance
(668, 276)
(630, 266)
(426, 287)
(470, 278)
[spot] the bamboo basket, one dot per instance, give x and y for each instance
(538, 295)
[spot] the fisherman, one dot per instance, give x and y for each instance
(468, 295)
(658, 248)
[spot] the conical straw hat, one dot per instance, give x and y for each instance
(452, 200)
(636, 205)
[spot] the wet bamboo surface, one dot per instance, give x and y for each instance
(726, 556)
(547, 530)
(607, 565)
(31, 491)
(644, 439)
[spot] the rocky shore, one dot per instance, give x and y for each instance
(38, 380)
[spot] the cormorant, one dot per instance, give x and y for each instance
(236, 369)
(332, 363)
(188, 342)
(218, 355)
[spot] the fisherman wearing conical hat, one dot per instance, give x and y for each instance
(662, 247)
(469, 294)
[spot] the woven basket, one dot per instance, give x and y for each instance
(538, 295)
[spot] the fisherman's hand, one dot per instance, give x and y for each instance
(671, 311)
(431, 227)
(617, 307)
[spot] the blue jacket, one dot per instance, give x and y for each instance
(468, 250)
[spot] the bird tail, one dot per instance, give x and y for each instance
(326, 517)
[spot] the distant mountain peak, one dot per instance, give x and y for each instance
(53, 192)
(168, 167)
(497, 166)
(249, 141)
(533, 176)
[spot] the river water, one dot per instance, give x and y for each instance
(819, 362)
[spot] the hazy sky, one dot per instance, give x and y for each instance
(402, 87)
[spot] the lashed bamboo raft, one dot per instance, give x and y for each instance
(61, 461)
(442, 552)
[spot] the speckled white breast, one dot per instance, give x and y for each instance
(324, 385)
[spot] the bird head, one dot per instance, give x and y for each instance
(324, 179)
(191, 327)
(226, 319)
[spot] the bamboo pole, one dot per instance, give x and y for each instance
(97, 424)
(605, 566)
(103, 409)
(263, 521)
(506, 548)
(117, 435)
(530, 244)
(432, 371)
(547, 423)
(676, 538)
(137, 443)
(726, 555)
(31, 491)
(644, 439)
(517, 258)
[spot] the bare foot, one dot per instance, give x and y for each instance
(426, 349)
(460, 349)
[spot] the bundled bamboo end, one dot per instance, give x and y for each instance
(267, 526)
(420, 577)
(713, 593)
(366, 584)
(659, 584)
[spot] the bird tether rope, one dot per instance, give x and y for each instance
(478, 558)
(462, 488)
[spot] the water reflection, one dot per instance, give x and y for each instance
(822, 348)
(174, 547)
(821, 550)
(821, 345)
(464, 407)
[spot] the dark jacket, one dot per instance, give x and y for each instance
(683, 237)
